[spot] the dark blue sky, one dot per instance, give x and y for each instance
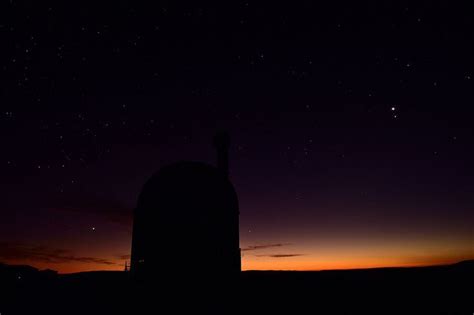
(351, 126)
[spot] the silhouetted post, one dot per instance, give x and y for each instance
(222, 144)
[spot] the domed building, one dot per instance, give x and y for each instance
(186, 223)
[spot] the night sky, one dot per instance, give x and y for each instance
(351, 126)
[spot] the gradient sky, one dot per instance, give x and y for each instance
(351, 127)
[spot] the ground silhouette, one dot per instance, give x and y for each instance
(420, 290)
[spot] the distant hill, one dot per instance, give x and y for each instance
(24, 273)
(465, 263)
(26, 270)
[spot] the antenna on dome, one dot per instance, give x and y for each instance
(222, 144)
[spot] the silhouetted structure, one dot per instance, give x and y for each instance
(186, 223)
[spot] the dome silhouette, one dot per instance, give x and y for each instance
(186, 224)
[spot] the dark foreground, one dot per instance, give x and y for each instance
(427, 290)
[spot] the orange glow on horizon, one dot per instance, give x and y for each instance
(299, 265)
(299, 254)
(283, 264)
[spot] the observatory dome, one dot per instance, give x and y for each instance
(187, 219)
